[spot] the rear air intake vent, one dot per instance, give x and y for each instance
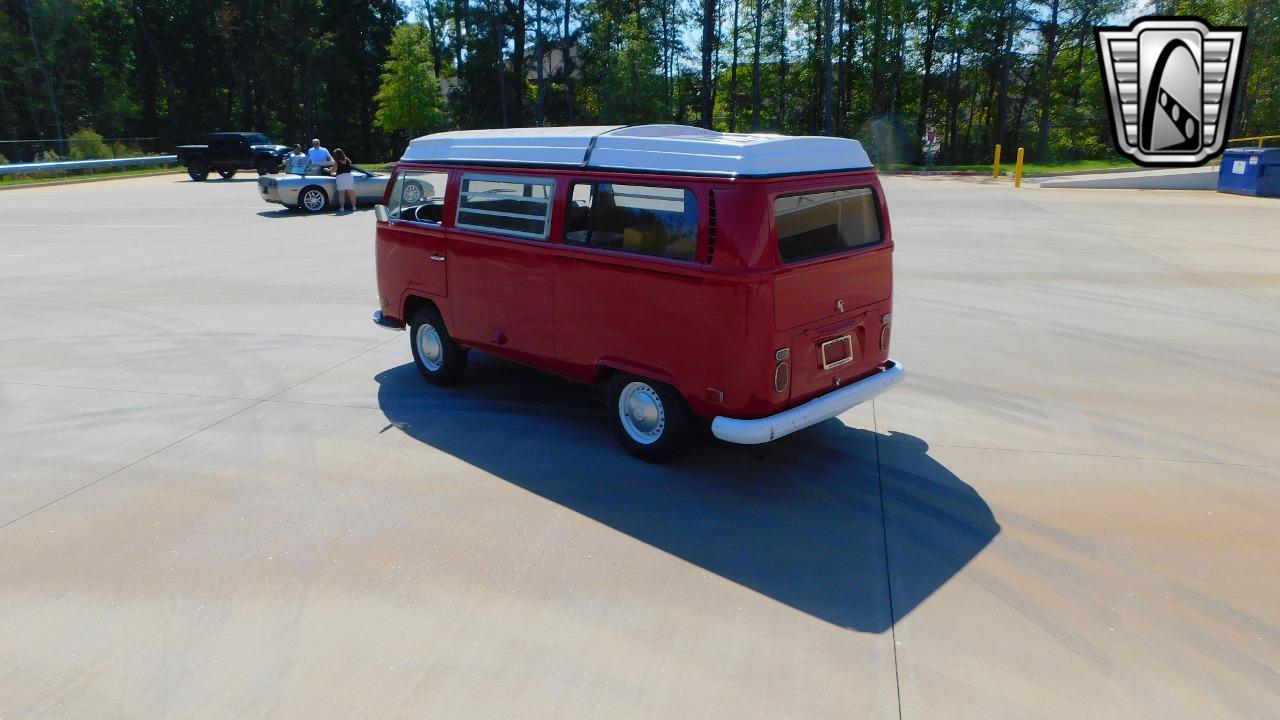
(711, 226)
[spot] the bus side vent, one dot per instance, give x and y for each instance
(711, 226)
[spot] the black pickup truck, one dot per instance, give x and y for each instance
(228, 152)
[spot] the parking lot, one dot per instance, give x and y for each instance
(225, 493)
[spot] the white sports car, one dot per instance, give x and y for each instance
(305, 186)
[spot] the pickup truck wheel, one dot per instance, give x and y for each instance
(440, 359)
(313, 199)
(267, 167)
(650, 419)
(227, 174)
(198, 170)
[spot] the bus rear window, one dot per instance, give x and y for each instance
(814, 224)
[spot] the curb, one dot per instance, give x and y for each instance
(963, 173)
(1007, 173)
(1099, 171)
(77, 181)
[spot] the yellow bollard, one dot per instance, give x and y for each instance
(1017, 173)
(995, 168)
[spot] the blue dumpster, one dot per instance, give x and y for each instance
(1250, 171)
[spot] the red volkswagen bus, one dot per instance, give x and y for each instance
(743, 279)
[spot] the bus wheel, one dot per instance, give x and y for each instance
(650, 419)
(439, 358)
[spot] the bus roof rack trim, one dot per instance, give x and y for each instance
(643, 148)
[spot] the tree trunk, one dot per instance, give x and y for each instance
(974, 104)
(842, 66)
(755, 67)
(779, 117)
(568, 58)
(1249, 103)
(666, 56)
(1046, 82)
(432, 38)
(854, 71)
(877, 57)
(953, 112)
(708, 42)
(1085, 36)
(459, 10)
(366, 102)
(900, 41)
(519, 73)
(715, 60)
(1237, 117)
(1021, 110)
(147, 73)
(48, 83)
(733, 74)
(932, 23)
(828, 117)
(540, 57)
(499, 45)
(1002, 111)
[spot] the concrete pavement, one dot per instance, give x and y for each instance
(1195, 178)
(225, 493)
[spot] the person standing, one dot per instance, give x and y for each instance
(319, 155)
(296, 162)
(344, 179)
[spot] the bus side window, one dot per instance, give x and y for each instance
(577, 216)
(419, 197)
(393, 200)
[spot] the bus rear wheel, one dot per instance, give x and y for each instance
(649, 418)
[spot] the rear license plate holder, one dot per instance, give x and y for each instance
(837, 352)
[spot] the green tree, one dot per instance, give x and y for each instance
(409, 97)
(627, 69)
(86, 144)
(1021, 72)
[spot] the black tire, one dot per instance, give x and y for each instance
(307, 202)
(267, 166)
(440, 359)
(637, 404)
(227, 174)
(198, 170)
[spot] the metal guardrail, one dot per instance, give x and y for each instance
(23, 168)
(1260, 138)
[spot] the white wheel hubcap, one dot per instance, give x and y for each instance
(430, 349)
(314, 200)
(641, 412)
(412, 193)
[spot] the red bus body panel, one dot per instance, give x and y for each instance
(711, 327)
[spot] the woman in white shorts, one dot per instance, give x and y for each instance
(346, 182)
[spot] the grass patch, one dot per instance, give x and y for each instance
(1028, 169)
(47, 176)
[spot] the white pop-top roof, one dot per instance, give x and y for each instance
(652, 148)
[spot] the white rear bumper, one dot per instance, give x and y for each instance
(762, 430)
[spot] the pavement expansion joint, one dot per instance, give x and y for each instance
(252, 404)
(94, 388)
(128, 465)
(888, 575)
(1077, 453)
